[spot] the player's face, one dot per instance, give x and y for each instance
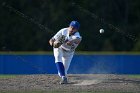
(72, 30)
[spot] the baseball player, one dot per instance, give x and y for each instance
(64, 43)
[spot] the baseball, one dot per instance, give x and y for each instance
(101, 30)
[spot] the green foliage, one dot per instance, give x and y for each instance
(17, 34)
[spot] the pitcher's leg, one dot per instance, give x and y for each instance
(58, 53)
(58, 61)
(66, 62)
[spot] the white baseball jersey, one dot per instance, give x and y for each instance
(68, 37)
(65, 52)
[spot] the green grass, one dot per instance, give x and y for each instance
(13, 76)
(77, 52)
(134, 76)
(7, 76)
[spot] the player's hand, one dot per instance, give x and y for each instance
(69, 43)
(51, 41)
(56, 44)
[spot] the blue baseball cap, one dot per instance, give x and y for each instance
(75, 24)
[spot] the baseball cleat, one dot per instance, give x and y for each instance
(64, 80)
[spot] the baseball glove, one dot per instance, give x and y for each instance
(59, 41)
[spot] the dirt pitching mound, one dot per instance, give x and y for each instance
(90, 79)
(77, 83)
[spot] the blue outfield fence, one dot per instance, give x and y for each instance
(81, 64)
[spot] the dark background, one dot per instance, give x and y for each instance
(119, 18)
